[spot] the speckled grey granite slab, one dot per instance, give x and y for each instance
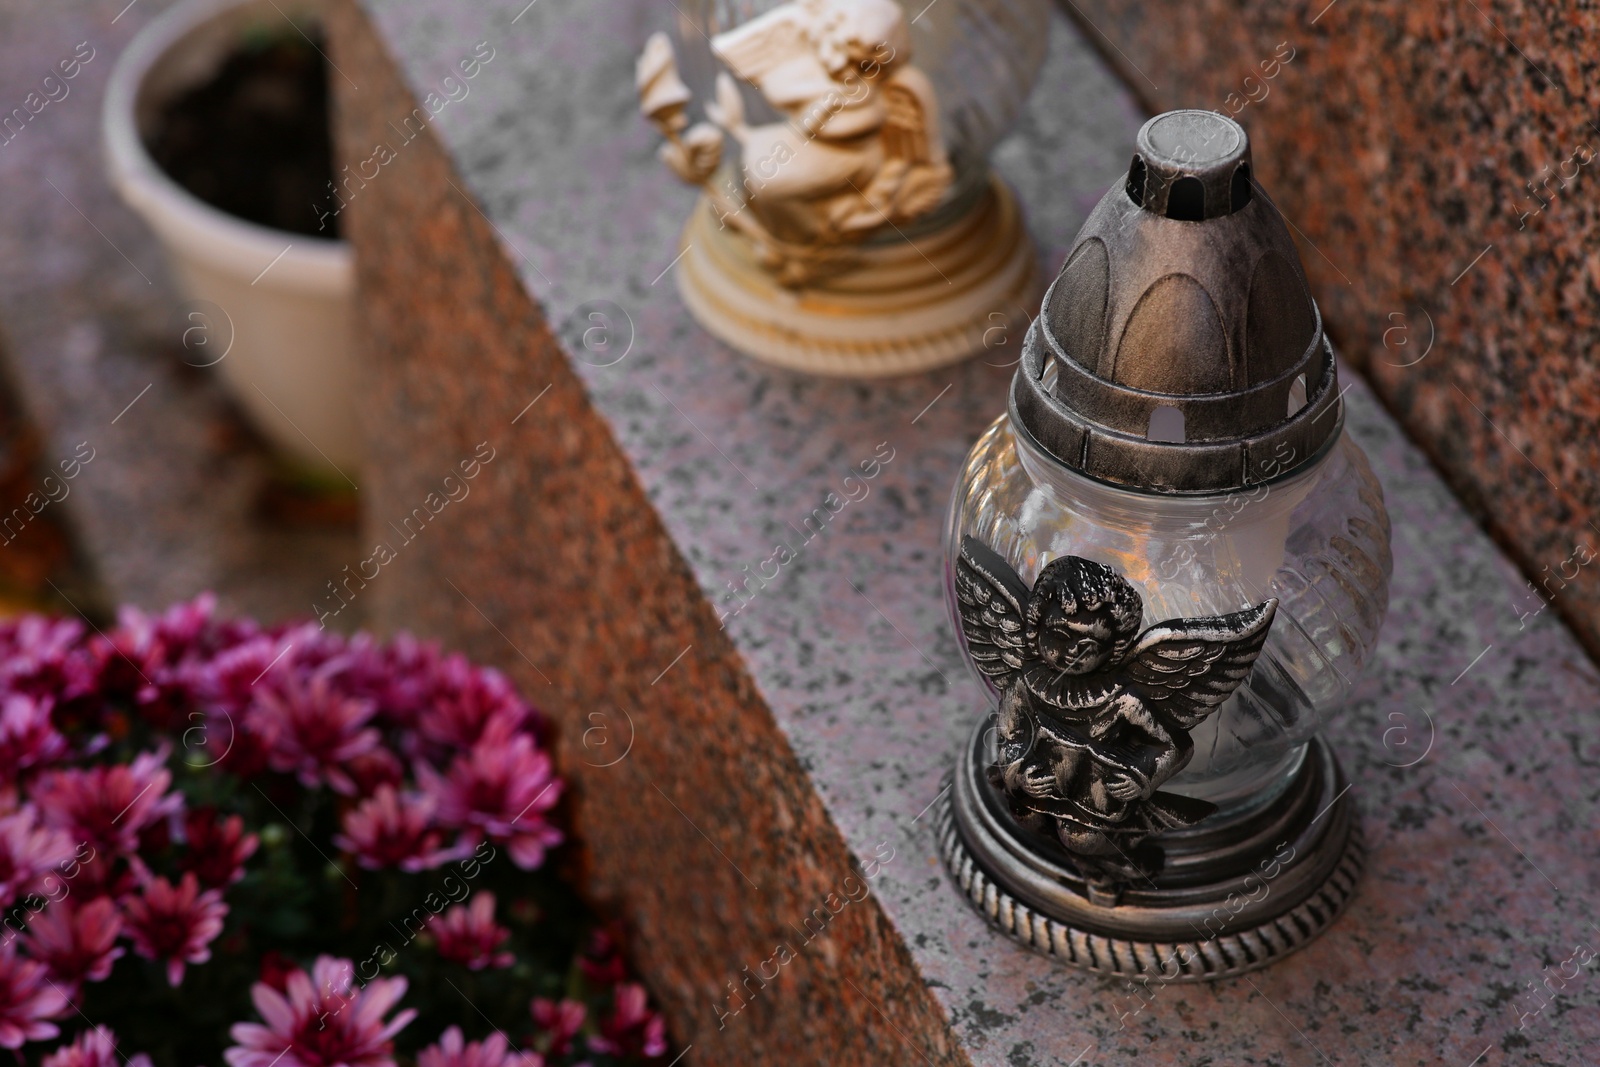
(1484, 868)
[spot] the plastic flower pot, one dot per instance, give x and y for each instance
(284, 300)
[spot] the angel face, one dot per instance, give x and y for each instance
(1078, 643)
(1081, 615)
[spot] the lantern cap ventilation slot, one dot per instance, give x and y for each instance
(1179, 327)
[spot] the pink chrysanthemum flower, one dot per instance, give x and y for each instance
(93, 1048)
(226, 682)
(631, 1029)
(175, 924)
(28, 852)
(43, 657)
(190, 629)
(78, 943)
(108, 806)
(372, 769)
(502, 789)
(558, 1022)
(312, 729)
(217, 847)
(276, 969)
(322, 1021)
(243, 751)
(492, 1051)
(601, 961)
(139, 659)
(28, 738)
(393, 829)
(467, 700)
(400, 676)
(468, 934)
(27, 999)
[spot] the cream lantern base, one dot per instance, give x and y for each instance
(902, 307)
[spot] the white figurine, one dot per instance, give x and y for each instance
(860, 150)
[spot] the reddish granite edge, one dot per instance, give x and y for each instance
(1399, 141)
(707, 840)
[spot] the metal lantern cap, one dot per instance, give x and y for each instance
(1187, 353)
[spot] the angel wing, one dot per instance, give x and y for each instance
(991, 598)
(911, 125)
(1185, 668)
(756, 48)
(912, 144)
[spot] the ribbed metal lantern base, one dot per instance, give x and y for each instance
(1230, 898)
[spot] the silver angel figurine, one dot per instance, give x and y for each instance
(1094, 715)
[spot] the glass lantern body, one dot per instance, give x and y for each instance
(982, 57)
(1317, 540)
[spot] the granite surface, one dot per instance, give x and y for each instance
(838, 708)
(1437, 159)
(171, 502)
(727, 779)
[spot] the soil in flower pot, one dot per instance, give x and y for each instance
(254, 140)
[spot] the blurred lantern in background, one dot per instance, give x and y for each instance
(849, 223)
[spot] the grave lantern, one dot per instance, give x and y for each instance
(848, 222)
(1166, 563)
